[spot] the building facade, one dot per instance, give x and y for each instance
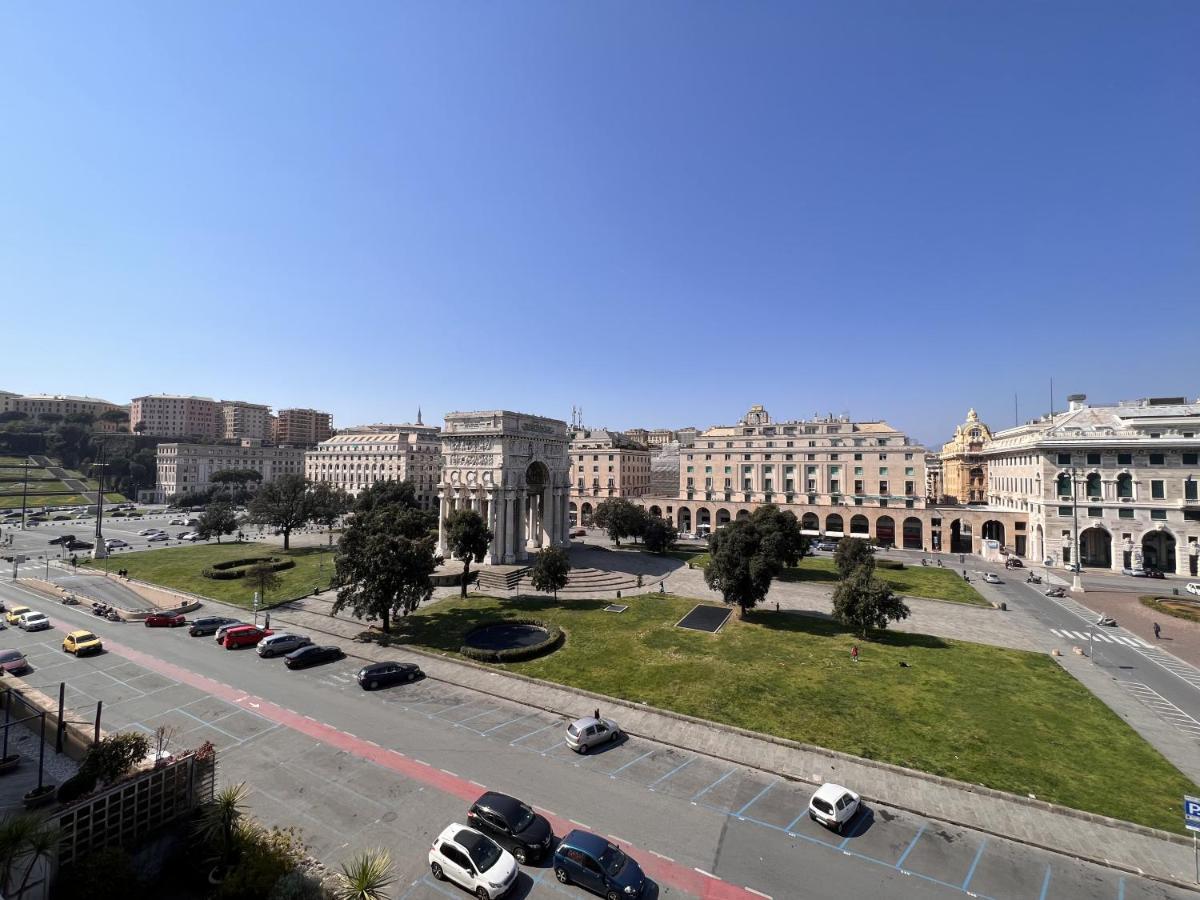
(64, 405)
(184, 468)
(303, 427)
(172, 415)
(1126, 476)
(356, 458)
(964, 466)
(241, 420)
(607, 464)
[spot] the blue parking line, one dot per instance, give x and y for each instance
(853, 832)
(909, 849)
(792, 824)
(974, 863)
(686, 762)
(713, 785)
(430, 881)
(1121, 888)
(615, 772)
(757, 797)
(1045, 885)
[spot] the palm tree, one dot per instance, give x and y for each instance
(24, 839)
(365, 877)
(219, 822)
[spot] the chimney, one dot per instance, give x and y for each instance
(1076, 401)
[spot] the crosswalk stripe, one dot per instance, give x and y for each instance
(1100, 636)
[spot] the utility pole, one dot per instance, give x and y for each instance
(100, 551)
(1076, 564)
(25, 493)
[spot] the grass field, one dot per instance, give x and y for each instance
(1007, 719)
(180, 567)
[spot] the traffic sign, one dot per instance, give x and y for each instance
(1191, 812)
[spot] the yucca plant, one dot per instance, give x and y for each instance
(24, 840)
(219, 822)
(366, 877)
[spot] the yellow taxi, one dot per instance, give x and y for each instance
(81, 643)
(15, 614)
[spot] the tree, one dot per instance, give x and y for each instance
(864, 603)
(329, 503)
(283, 504)
(216, 520)
(659, 535)
(852, 554)
(781, 534)
(620, 518)
(366, 877)
(13, 415)
(236, 477)
(25, 840)
(467, 537)
(551, 570)
(386, 493)
(742, 568)
(263, 576)
(381, 570)
(114, 415)
(49, 418)
(219, 820)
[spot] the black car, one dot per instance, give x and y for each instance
(311, 656)
(512, 825)
(63, 539)
(209, 625)
(79, 545)
(380, 674)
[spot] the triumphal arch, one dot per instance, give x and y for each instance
(514, 470)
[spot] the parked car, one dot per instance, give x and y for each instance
(80, 545)
(13, 616)
(221, 629)
(33, 621)
(62, 539)
(379, 674)
(578, 532)
(244, 636)
(1154, 573)
(209, 625)
(1193, 588)
(588, 732)
(1134, 573)
(81, 643)
(165, 620)
(177, 522)
(825, 546)
(279, 644)
(161, 536)
(13, 662)
(595, 863)
(114, 544)
(191, 536)
(146, 532)
(833, 806)
(512, 825)
(991, 578)
(472, 860)
(312, 655)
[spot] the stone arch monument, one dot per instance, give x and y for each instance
(514, 470)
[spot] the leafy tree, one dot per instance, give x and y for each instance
(114, 415)
(80, 418)
(282, 504)
(140, 427)
(386, 493)
(743, 565)
(329, 503)
(781, 534)
(381, 569)
(864, 603)
(659, 535)
(237, 477)
(216, 520)
(620, 518)
(551, 570)
(264, 578)
(366, 877)
(13, 415)
(116, 755)
(467, 537)
(49, 418)
(852, 554)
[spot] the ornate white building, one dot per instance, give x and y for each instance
(356, 458)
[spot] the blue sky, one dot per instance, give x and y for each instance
(661, 212)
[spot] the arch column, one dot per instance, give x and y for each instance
(495, 524)
(520, 514)
(1182, 560)
(443, 511)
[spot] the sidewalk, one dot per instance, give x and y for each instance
(1077, 834)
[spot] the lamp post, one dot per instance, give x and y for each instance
(1076, 564)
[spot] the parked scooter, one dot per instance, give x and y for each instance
(69, 600)
(1056, 592)
(1107, 621)
(112, 615)
(1033, 579)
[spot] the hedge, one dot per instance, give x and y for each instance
(888, 564)
(225, 571)
(554, 640)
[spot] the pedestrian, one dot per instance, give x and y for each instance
(662, 587)
(776, 606)
(639, 580)
(618, 595)
(962, 558)
(1157, 630)
(267, 620)
(854, 653)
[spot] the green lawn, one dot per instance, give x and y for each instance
(180, 567)
(1007, 719)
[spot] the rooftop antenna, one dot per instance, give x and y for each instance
(1052, 398)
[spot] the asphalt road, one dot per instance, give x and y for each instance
(391, 768)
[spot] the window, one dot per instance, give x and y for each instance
(1064, 510)
(883, 487)
(858, 470)
(857, 457)
(1157, 459)
(1125, 512)
(1191, 459)
(908, 470)
(1125, 486)
(858, 487)
(883, 470)
(1158, 513)
(1064, 459)
(1124, 459)
(1189, 489)
(1158, 489)
(1093, 459)
(1095, 512)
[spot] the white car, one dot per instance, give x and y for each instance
(1193, 588)
(177, 522)
(991, 578)
(158, 536)
(150, 532)
(114, 543)
(33, 621)
(473, 860)
(833, 806)
(191, 536)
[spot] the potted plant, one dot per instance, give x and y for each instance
(218, 828)
(39, 796)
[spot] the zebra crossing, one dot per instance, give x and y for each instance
(1173, 664)
(1102, 637)
(1166, 710)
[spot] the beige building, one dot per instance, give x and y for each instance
(638, 436)
(1126, 474)
(183, 468)
(607, 464)
(241, 420)
(172, 415)
(303, 427)
(64, 405)
(356, 458)
(964, 467)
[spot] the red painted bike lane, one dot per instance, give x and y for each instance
(657, 867)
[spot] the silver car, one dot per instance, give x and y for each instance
(278, 644)
(588, 732)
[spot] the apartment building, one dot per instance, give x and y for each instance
(64, 405)
(241, 420)
(1125, 475)
(356, 458)
(174, 415)
(303, 427)
(185, 467)
(607, 464)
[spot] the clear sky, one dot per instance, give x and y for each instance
(662, 212)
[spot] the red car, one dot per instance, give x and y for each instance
(245, 636)
(165, 620)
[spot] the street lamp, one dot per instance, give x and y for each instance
(1076, 561)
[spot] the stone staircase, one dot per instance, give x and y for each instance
(592, 581)
(500, 578)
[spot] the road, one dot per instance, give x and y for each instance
(391, 768)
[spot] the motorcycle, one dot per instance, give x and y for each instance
(99, 609)
(1034, 579)
(112, 616)
(69, 600)
(1056, 592)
